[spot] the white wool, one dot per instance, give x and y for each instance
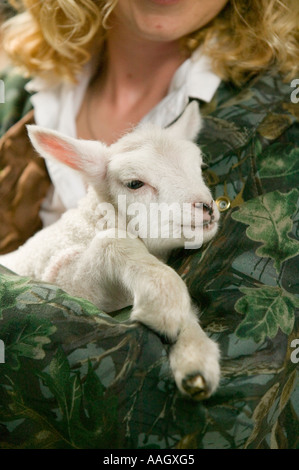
(105, 263)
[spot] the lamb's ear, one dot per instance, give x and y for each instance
(189, 123)
(86, 156)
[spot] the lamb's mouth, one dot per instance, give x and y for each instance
(206, 225)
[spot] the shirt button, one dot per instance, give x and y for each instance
(223, 203)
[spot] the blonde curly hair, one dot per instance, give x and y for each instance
(58, 36)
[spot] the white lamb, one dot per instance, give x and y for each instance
(109, 256)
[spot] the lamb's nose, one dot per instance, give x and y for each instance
(208, 208)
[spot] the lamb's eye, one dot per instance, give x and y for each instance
(135, 184)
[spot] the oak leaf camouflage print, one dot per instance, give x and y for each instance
(269, 220)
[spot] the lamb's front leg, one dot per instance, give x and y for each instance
(160, 301)
(194, 360)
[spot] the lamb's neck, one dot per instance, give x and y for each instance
(91, 200)
(89, 204)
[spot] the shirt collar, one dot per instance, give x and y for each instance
(197, 77)
(193, 79)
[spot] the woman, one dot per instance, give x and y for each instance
(102, 67)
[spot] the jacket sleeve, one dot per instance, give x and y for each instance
(24, 180)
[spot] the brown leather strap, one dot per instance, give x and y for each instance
(24, 183)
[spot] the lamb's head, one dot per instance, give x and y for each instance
(152, 176)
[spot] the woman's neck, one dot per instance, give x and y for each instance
(136, 77)
(137, 67)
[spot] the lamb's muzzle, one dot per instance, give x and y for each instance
(208, 208)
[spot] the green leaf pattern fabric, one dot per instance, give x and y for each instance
(269, 220)
(267, 309)
(75, 377)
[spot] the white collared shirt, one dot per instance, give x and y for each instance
(57, 107)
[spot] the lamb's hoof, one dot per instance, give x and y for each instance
(195, 386)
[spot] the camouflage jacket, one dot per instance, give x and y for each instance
(72, 376)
